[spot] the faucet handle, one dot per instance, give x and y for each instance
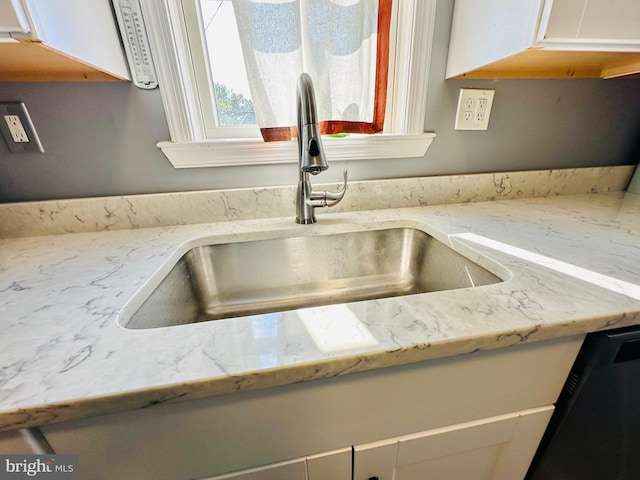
(328, 199)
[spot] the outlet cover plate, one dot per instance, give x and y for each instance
(20, 110)
(474, 109)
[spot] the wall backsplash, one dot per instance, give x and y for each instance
(100, 139)
(157, 210)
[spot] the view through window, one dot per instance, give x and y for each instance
(231, 87)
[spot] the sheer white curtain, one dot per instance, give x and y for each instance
(342, 44)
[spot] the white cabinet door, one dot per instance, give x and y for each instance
(373, 460)
(12, 18)
(60, 40)
(498, 448)
(334, 465)
(560, 20)
(83, 29)
(294, 470)
(592, 21)
(606, 20)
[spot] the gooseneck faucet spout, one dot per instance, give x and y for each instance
(311, 157)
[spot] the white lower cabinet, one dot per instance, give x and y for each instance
(294, 470)
(475, 416)
(335, 464)
(375, 459)
(497, 448)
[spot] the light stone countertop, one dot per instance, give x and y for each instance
(570, 264)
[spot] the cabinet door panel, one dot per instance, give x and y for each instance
(375, 460)
(294, 470)
(334, 465)
(611, 20)
(561, 19)
(596, 21)
(472, 465)
(12, 18)
(495, 448)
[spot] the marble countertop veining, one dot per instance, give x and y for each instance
(570, 265)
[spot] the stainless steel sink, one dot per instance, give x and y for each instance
(254, 277)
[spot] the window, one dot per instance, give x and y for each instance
(233, 103)
(199, 139)
(217, 70)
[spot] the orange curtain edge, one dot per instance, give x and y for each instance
(382, 63)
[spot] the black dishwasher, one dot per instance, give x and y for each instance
(594, 433)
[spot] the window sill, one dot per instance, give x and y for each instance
(224, 153)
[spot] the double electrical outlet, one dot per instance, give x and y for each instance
(474, 109)
(17, 128)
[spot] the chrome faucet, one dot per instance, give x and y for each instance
(311, 158)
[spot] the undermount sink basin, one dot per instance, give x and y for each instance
(263, 276)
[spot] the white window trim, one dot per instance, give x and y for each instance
(411, 39)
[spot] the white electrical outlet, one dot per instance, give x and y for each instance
(474, 109)
(16, 129)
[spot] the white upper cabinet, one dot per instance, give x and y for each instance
(544, 38)
(12, 18)
(60, 40)
(603, 24)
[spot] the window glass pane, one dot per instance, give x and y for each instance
(231, 87)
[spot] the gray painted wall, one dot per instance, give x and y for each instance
(100, 138)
